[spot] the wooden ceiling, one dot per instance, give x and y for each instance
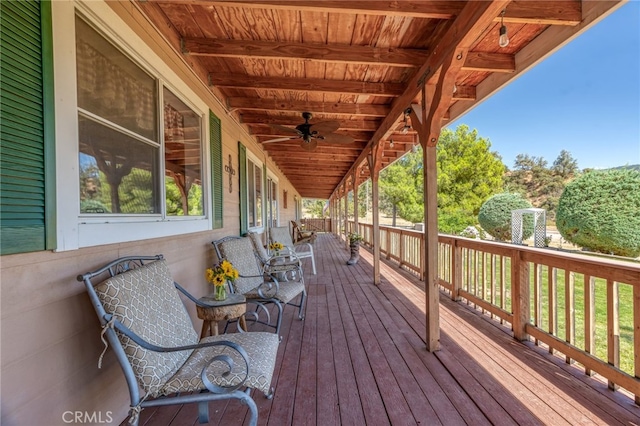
(359, 62)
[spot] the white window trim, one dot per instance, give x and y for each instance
(274, 178)
(255, 159)
(74, 231)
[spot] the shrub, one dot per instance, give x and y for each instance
(600, 211)
(495, 216)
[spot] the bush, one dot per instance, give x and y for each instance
(600, 211)
(495, 216)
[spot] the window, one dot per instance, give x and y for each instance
(272, 202)
(254, 179)
(122, 171)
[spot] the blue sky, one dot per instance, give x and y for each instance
(585, 98)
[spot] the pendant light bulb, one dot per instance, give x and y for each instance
(503, 41)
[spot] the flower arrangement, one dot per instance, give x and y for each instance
(219, 275)
(354, 237)
(276, 246)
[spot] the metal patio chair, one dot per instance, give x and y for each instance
(254, 283)
(305, 250)
(285, 267)
(145, 321)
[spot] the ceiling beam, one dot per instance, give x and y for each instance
(527, 12)
(357, 135)
(334, 53)
(239, 81)
(291, 121)
(256, 104)
(476, 61)
(488, 61)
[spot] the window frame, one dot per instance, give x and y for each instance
(259, 165)
(271, 177)
(73, 229)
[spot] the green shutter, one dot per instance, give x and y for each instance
(215, 140)
(26, 140)
(242, 175)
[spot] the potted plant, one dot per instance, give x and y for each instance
(218, 276)
(354, 246)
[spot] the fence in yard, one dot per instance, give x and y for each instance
(585, 307)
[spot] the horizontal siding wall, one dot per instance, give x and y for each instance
(50, 333)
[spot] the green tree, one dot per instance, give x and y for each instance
(399, 191)
(600, 210)
(495, 216)
(314, 207)
(565, 165)
(468, 173)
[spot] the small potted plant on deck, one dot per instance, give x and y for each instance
(354, 246)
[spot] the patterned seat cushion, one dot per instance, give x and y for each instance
(239, 251)
(287, 291)
(146, 301)
(261, 348)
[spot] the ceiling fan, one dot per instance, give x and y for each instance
(309, 134)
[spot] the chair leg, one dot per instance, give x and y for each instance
(279, 320)
(313, 261)
(301, 310)
(203, 412)
(253, 409)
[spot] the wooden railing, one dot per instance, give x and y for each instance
(584, 307)
(318, 225)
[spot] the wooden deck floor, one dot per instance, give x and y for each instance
(359, 358)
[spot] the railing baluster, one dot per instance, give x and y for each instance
(483, 271)
(503, 285)
(492, 266)
(589, 317)
(553, 304)
(569, 310)
(636, 335)
(456, 270)
(613, 328)
(537, 296)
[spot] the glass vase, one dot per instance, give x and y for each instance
(220, 292)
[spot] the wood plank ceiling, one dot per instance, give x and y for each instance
(356, 62)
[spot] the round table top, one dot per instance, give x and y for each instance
(232, 299)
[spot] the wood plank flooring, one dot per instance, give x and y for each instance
(359, 358)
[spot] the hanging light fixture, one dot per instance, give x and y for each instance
(406, 127)
(391, 143)
(503, 41)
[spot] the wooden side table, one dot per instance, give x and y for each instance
(231, 308)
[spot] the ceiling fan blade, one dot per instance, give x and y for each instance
(284, 129)
(279, 140)
(336, 138)
(310, 145)
(325, 127)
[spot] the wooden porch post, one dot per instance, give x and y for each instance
(374, 159)
(346, 214)
(355, 201)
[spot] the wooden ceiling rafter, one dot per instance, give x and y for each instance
(259, 104)
(348, 54)
(239, 81)
(289, 121)
(547, 12)
(334, 53)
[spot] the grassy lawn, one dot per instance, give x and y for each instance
(625, 295)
